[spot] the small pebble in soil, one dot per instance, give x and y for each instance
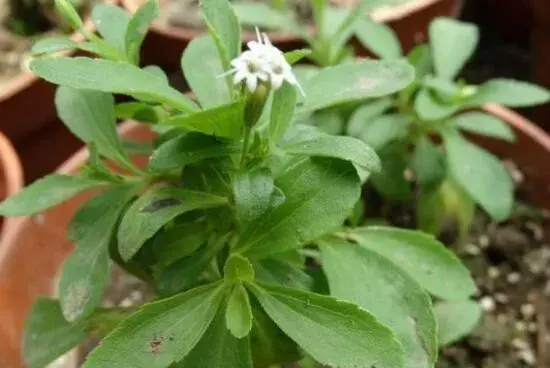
(487, 303)
(527, 310)
(520, 326)
(493, 272)
(483, 241)
(472, 249)
(513, 277)
(502, 298)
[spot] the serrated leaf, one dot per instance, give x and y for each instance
(53, 44)
(229, 351)
(202, 67)
(252, 192)
(424, 258)
(278, 272)
(47, 334)
(190, 148)
(382, 130)
(238, 269)
(379, 38)
(178, 242)
(85, 273)
(341, 147)
(320, 193)
(394, 298)
(159, 333)
(282, 111)
(428, 164)
(153, 210)
(485, 124)
(109, 76)
(90, 115)
(362, 116)
(137, 29)
(509, 92)
(456, 319)
(481, 175)
(45, 193)
(453, 44)
(222, 121)
(355, 82)
(224, 26)
(238, 315)
(111, 22)
(333, 332)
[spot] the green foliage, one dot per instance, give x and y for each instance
(456, 319)
(240, 220)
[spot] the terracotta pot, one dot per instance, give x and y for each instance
(24, 277)
(26, 102)
(11, 179)
(32, 252)
(164, 45)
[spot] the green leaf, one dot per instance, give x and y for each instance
(155, 209)
(178, 242)
(85, 274)
(252, 192)
(66, 9)
(47, 334)
(382, 130)
(320, 193)
(456, 320)
(238, 269)
(109, 76)
(367, 279)
(224, 27)
(424, 258)
(391, 181)
(228, 352)
(222, 121)
(379, 38)
(282, 111)
(190, 148)
(428, 164)
(481, 175)
(363, 115)
(238, 315)
(90, 115)
(202, 67)
(45, 193)
(509, 92)
(263, 15)
(333, 332)
(428, 108)
(341, 147)
(485, 124)
(111, 22)
(453, 44)
(421, 59)
(140, 111)
(186, 273)
(431, 212)
(292, 57)
(277, 272)
(355, 82)
(53, 44)
(159, 333)
(137, 29)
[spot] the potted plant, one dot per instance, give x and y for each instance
(238, 220)
(287, 22)
(22, 24)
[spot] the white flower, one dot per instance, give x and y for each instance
(262, 62)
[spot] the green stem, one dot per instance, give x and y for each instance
(246, 144)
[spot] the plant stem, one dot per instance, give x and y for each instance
(246, 143)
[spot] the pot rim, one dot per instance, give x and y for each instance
(381, 15)
(26, 78)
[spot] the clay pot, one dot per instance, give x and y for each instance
(11, 179)
(24, 277)
(26, 102)
(32, 252)
(164, 45)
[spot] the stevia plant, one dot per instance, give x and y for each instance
(239, 219)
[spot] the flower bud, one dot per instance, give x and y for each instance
(254, 104)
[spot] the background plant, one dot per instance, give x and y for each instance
(237, 221)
